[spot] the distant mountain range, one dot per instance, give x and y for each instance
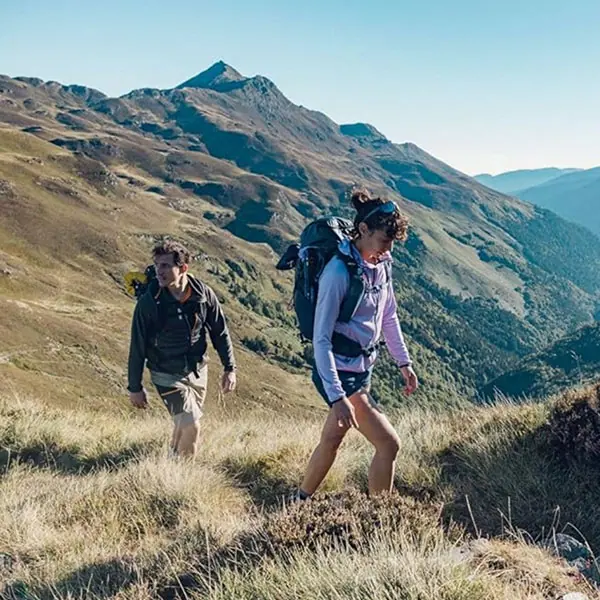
(513, 182)
(574, 194)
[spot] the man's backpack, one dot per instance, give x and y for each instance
(319, 242)
(136, 283)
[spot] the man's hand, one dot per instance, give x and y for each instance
(344, 413)
(410, 380)
(228, 382)
(139, 399)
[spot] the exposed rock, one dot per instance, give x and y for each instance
(7, 189)
(578, 555)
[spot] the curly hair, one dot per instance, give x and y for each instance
(393, 223)
(181, 255)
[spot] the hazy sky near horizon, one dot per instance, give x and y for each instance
(484, 86)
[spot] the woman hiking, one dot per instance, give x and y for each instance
(344, 382)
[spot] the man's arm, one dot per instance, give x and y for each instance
(218, 331)
(137, 348)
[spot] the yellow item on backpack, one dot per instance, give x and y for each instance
(133, 281)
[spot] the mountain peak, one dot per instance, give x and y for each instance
(362, 130)
(215, 77)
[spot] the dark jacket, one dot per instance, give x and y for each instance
(170, 336)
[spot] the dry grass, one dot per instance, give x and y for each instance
(91, 507)
(396, 564)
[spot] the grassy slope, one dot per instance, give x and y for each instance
(90, 512)
(71, 229)
(64, 318)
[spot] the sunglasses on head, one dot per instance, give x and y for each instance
(387, 208)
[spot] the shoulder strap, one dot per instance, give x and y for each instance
(356, 288)
(161, 309)
(198, 287)
(388, 271)
(201, 303)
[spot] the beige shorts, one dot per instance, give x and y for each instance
(183, 396)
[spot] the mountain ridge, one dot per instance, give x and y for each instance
(512, 182)
(478, 284)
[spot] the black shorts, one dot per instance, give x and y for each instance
(351, 382)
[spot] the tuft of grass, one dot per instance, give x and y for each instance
(396, 562)
(71, 440)
(573, 429)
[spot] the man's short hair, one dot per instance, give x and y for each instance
(181, 255)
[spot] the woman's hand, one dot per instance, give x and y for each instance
(410, 380)
(344, 413)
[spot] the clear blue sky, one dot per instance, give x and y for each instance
(484, 86)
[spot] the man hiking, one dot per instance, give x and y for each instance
(168, 334)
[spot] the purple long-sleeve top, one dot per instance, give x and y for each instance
(375, 315)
